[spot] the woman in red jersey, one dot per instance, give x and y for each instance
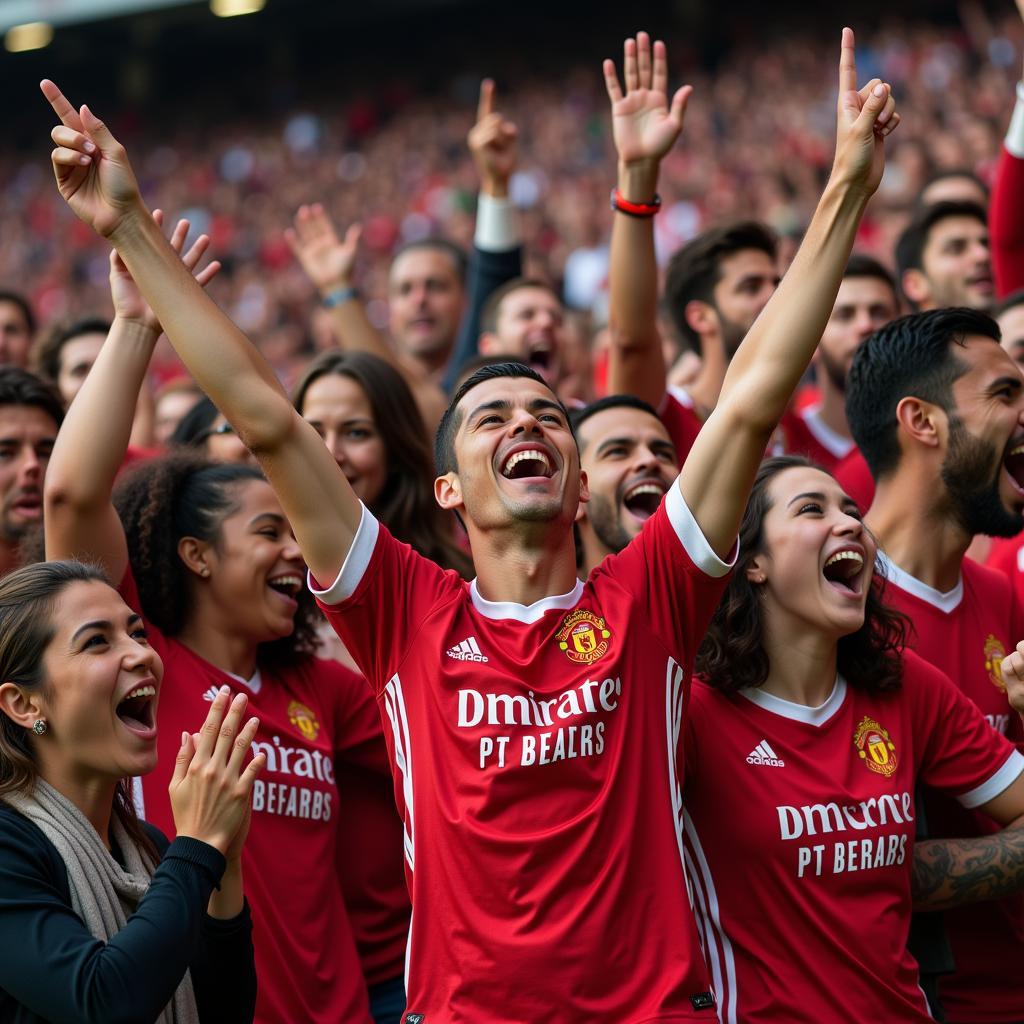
(205, 553)
(805, 741)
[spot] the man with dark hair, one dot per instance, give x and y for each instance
(954, 185)
(1009, 315)
(937, 408)
(867, 300)
(17, 328)
(942, 258)
(31, 413)
(524, 320)
(64, 356)
(630, 463)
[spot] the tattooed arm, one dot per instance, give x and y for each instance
(950, 872)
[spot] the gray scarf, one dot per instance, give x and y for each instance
(103, 894)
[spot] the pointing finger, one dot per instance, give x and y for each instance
(486, 104)
(847, 63)
(61, 107)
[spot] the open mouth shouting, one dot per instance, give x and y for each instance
(286, 586)
(541, 357)
(1013, 463)
(136, 710)
(529, 461)
(642, 497)
(844, 571)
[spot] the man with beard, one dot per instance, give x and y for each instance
(30, 415)
(943, 258)
(867, 300)
(630, 463)
(937, 409)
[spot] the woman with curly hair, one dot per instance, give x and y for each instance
(804, 742)
(205, 553)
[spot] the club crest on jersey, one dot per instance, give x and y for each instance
(304, 720)
(875, 748)
(583, 636)
(994, 654)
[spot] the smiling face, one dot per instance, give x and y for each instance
(341, 412)
(255, 568)
(102, 686)
(817, 559)
(529, 328)
(516, 456)
(630, 464)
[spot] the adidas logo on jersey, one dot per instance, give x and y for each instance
(763, 754)
(468, 650)
(211, 694)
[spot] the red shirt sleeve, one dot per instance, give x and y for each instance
(1006, 224)
(855, 478)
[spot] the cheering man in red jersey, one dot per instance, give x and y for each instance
(534, 718)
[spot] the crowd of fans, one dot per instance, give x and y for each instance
(303, 720)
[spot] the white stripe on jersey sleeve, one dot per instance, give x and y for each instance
(356, 562)
(989, 790)
(690, 536)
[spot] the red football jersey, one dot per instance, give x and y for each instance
(680, 420)
(799, 840)
(855, 478)
(966, 633)
(310, 717)
(802, 432)
(1006, 555)
(534, 752)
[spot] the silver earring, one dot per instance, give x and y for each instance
(39, 726)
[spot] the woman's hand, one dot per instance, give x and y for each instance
(1013, 677)
(91, 166)
(211, 786)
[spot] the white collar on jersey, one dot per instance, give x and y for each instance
(946, 602)
(524, 612)
(254, 683)
(832, 442)
(799, 712)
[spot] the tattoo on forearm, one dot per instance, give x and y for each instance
(951, 872)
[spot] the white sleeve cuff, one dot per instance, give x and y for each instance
(356, 563)
(692, 538)
(497, 227)
(996, 784)
(1014, 141)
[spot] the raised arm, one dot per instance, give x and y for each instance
(80, 521)
(97, 181)
(718, 473)
(644, 129)
(329, 263)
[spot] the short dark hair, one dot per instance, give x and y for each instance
(444, 439)
(955, 172)
(579, 416)
(19, 387)
(46, 352)
(193, 428)
(911, 244)
(862, 265)
(454, 252)
(23, 304)
(912, 355)
(695, 269)
(1012, 301)
(733, 657)
(489, 315)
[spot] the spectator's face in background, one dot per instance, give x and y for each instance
(748, 279)
(862, 306)
(76, 358)
(15, 338)
(983, 478)
(529, 329)
(630, 463)
(955, 189)
(426, 301)
(956, 267)
(27, 435)
(90, 669)
(224, 445)
(171, 407)
(1011, 325)
(340, 411)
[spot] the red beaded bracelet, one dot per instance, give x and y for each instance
(623, 205)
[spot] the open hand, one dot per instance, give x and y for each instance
(91, 166)
(644, 127)
(128, 301)
(864, 118)
(1013, 677)
(327, 260)
(493, 141)
(211, 785)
